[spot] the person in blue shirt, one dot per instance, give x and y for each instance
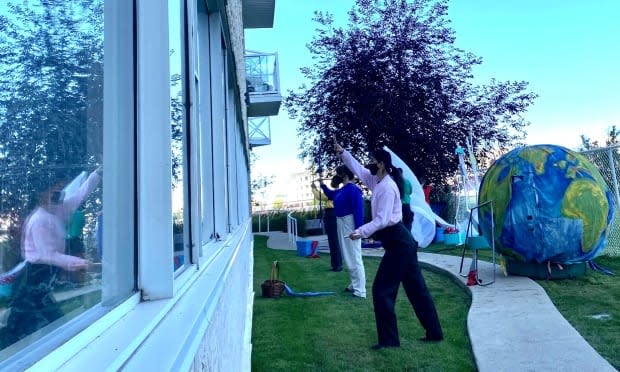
(349, 208)
(330, 225)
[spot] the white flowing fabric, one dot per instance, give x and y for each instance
(75, 184)
(424, 219)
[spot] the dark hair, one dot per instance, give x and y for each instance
(343, 170)
(51, 179)
(384, 157)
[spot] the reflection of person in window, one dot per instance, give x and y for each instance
(43, 248)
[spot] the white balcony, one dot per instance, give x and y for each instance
(260, 131)
(258, 13)
(263, 83)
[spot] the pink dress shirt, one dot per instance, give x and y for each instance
(43, 238)
(385, 203)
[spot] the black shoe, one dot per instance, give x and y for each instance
(379, 346)
(348, 289)
(431, 339)
(337, 270)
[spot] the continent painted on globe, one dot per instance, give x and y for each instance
(550, 204)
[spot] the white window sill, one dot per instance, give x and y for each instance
(151, 335)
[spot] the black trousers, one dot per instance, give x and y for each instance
(331, 229)
(400, 265)
(33, 305)
(407, 216)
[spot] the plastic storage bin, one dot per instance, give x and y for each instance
(304, 248)
(439, 235)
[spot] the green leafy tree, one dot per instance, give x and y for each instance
(611, 140)
(612, 136)
(51, 92)
(587, 143)
(394, 77)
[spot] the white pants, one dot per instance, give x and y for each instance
(352, 255)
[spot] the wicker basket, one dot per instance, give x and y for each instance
(273, 287)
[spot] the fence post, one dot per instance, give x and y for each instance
(259, 222)
(613, 175)
(268, 215)
(291, 227)
(288, 226)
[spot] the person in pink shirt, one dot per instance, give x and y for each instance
(400, 261)
(43, 249)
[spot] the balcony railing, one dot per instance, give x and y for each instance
(260, 131)
(263, 83)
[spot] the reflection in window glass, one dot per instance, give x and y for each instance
(51, 122)
(177, 112)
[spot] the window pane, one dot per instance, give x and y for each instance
(205, 40)
(178, 120)
(51, 153)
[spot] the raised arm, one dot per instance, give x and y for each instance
(320, 195)
(73, 201)
(354, 165)
(327, 191)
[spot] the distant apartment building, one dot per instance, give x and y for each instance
(288, 191)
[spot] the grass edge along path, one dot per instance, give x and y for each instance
(590, 303)
(333, 333)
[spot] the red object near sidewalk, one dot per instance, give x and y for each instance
(315, 250)
(471, 278)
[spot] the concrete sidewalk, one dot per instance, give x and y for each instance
(512, 323)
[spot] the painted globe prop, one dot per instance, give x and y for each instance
(550, 204)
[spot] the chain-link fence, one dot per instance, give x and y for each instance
(607, 160)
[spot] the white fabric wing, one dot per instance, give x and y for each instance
(424, 219)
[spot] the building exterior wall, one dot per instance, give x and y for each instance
(222, 348)
(235, 22)
(176, 286)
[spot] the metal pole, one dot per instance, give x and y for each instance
(259, 222)
(613, 175)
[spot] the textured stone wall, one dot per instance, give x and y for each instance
(235, 24)
(223, 347)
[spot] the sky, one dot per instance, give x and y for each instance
(568, 50)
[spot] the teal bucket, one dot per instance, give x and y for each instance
(439, 235)
(478, 242)
(454, 238)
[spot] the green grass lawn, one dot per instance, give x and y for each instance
(591, 303)
(334, 333)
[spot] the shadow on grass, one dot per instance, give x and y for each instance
(335, 332)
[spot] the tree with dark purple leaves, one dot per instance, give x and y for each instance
(395, 75)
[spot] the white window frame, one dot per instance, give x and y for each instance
(219, 97)
(133, 334)
(205, 162)
(155, 253)
(119, 143)
(196, 133)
